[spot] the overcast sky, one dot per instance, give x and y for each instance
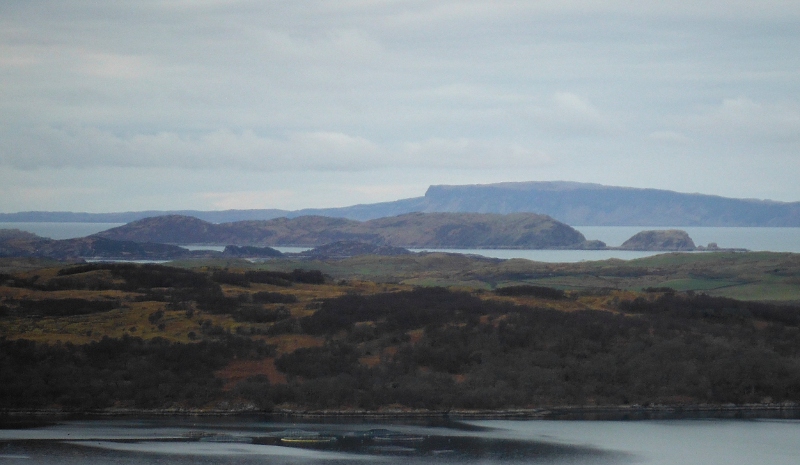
(214, 104)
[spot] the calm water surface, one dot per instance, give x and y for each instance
(184, 441)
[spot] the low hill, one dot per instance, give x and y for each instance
(14, 244)
(19, 244)
(446, 230)
(520, 230)
(177, 229)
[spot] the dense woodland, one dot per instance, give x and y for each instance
(420, 348)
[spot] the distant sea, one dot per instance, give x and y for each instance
(60, 230)
(756, 239)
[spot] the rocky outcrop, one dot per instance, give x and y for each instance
(251, 252)
(670, 240)
(345, 249)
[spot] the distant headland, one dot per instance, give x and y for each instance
(577, 204)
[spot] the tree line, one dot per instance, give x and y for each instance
(117, 372)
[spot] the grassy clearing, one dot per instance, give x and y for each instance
(444, 282)
(697, 284)
(761, 291)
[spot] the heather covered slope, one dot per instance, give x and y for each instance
(454, 230)
(745, 276)
(106, 337)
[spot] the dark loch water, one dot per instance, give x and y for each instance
(226, 441)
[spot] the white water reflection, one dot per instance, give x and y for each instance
(685, 442)
(550, 256)
(220, 450)
(213, 248)
(179, 441)
(220, 248)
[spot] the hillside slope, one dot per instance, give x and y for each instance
(113, 337)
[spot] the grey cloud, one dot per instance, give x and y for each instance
(568, 89)
(572, 111)
(747, 121)
(669, 137)
(472, 154)
(87, 147)
(79, 147)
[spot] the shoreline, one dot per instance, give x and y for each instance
(789, 410)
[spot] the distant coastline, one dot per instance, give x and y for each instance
(788, 410)
(754, 239)
(161, 237)
(569, 202)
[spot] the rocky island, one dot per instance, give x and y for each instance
(672, 240)
(414, 230)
